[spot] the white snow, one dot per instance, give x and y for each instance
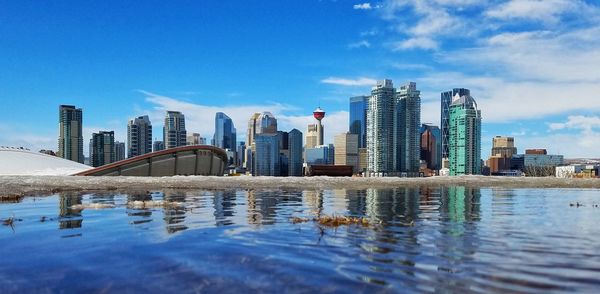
(14, 161)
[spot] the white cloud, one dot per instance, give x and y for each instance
(362, 81)
(540, 10)
(362, 6)
(416, 43)
(360, 44)
(580, 122)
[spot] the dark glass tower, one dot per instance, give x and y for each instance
(225, 133)
(358, 119)
(446, 101)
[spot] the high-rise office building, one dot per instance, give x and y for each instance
(446, 100)
(312, 136)
(358, 119)
(70, 138)
(139, 136)
(503, 146)
(407, 121)
(346, 150)
(380, 128)
(252, 126)
(295, 153)
(266, 155)
(259, 123)
(174, 134)
(431, 146)
(193, 139)
(266, 123)
(465, 136)
(158, 146)
(103, 148)
(241, 152)
(119, 150)
(225, 133)
(322, 154)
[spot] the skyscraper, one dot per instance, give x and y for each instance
(252, 125)
(139, 136)
(103, 148)
(266, 158)
(259, 123)
(380, 128)
(465, 136)
(158, 146)
(358, 119)
(225, 133)
(446, 100)
(295, 150)
(193, 139)
(503, 146)
(119, 150)
(70, 138)
(174, 134)
(346, 150)
(407, 121)
(312, 136)
(431, 146)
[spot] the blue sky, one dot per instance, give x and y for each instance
(533, 66)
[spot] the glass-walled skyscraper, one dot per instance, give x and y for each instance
(295, 150)
(266, 158)
(358, 119)
(70, 137)
(139, 136)
(465, 137)
(380, 128)
(446, 100)
(407, 121)
(225, 132)
(174, 134)
(103, 148)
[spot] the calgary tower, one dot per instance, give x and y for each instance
(319, 114)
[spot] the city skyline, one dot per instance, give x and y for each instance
(85, 59)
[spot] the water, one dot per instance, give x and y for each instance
(453, 239)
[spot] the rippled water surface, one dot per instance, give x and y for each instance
(453, 239)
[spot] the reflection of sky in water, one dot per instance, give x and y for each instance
(425, 239)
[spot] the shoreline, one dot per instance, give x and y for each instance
(22, 185)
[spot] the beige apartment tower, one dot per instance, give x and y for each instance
(346, 150)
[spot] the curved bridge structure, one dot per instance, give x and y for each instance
(186, 160)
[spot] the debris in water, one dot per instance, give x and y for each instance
(334, 221)
(92, 206)
(153, 203)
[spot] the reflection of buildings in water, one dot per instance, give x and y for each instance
(69, 218)
(144, 213)
(392, 204)
(356, 201)
(459, 210)
(313, 199)
(174, 216)
(224, 206)
(503, 202)
(460, 203)
(339, 201)
(263, 204)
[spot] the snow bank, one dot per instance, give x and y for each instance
(24, 162)
(18, 185)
